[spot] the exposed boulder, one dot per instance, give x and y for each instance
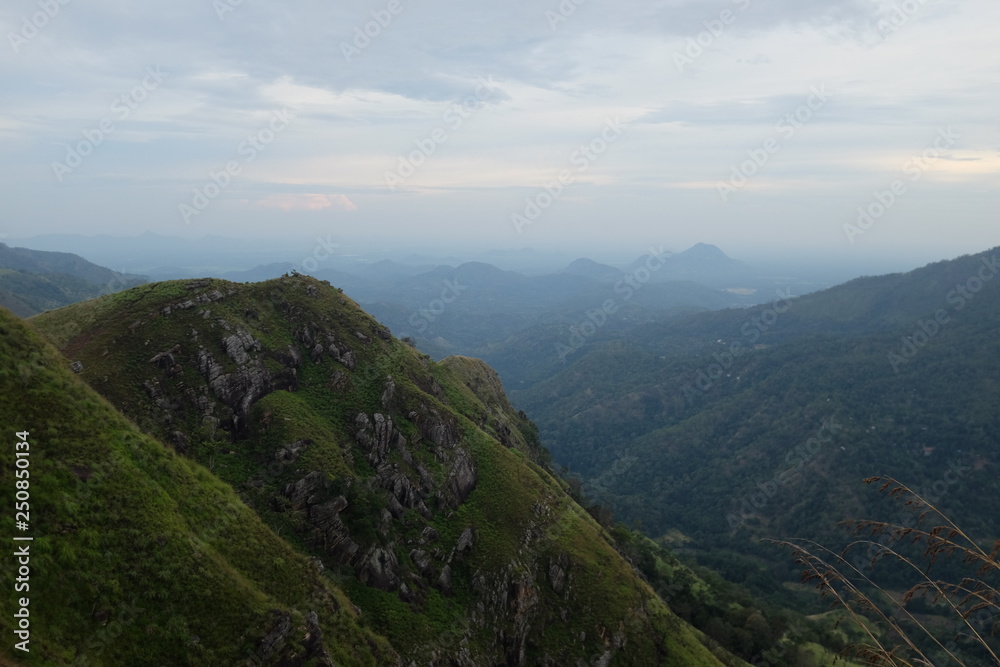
(291, 451)
(245, 386)
(557, 572)
(380, 569)
(239, 344)
(275, 639)
(305, 491)
(376, 436)
(462, 479)
(465, 541)
(329, 531)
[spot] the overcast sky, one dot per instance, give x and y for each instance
(758, 125)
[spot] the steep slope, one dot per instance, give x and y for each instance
(415, 483)
(737, 425)
(139, 556)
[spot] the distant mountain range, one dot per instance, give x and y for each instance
(32, 281)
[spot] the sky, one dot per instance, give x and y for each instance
(836, 129)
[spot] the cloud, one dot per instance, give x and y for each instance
(307, 202)
(356, 119)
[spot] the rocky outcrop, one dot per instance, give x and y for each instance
(311, 495)
(239, 344)
(442, 431)
(275, 639)
(322, 343)
(402, 488)
(291, 451)
(511, 595)
(462, 479)
(379, 569)
(275, 649)
(558, 566)
(251, 380)
(376, 435)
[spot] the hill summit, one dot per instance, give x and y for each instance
(411, 486)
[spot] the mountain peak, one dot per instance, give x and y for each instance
(705, 251)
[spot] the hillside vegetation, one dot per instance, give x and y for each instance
(422, 493)
(141, 556)
(722, 428)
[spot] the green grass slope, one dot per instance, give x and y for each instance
(415, 483)
(140, 556)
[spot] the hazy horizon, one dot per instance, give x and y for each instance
(152, 256)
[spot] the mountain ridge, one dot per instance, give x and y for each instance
(428, 503)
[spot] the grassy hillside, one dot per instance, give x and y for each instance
(140, 556)
(33, 281)
(414, 483)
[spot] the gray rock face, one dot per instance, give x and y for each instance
(272, 649)
(462, 479)
(557, 573)
(379, 569)
(290, 357)
(326, 343)
(398, 484)
(423, 561)
(291, 451)
(239, 344)
(465, 541)
(305, 492)
(389, 393)
(444, 581)
(435, 428)
(275, 639)
(249, 383)
(329, 531)
(509, 594)
(376, 435)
